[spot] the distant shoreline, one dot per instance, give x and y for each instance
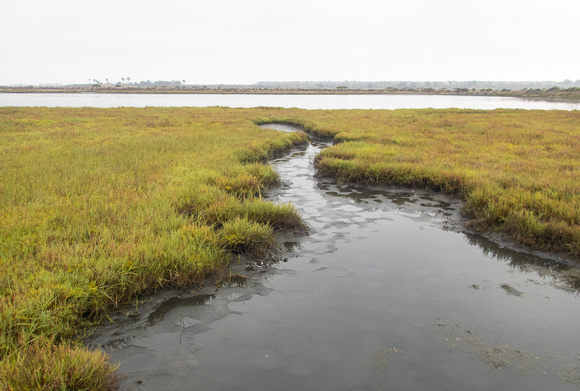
(570, 94)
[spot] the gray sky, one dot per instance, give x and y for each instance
(239, 41)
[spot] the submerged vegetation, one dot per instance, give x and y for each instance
(99, 206)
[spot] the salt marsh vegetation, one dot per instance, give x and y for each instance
(99, 206)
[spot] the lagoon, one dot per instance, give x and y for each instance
(311, 102)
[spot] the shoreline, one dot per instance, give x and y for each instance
(571, 95)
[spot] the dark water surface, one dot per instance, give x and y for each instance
(386, 293)
(300, 101)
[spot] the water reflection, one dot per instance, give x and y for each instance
(438, 207)
(357, 198)
(563, 272)
(176, 302)
(418, 204)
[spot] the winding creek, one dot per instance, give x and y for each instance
(387, 292)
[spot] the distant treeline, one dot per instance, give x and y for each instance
(328, 85)
(564, 90)
(496, 85)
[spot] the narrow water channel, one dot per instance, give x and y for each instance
(388, 292)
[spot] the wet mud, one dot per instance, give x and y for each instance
(388, 291)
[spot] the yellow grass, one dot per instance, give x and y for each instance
(98, 206)
(518, 170)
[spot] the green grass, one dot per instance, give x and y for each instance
(99, 206)
(518, 170)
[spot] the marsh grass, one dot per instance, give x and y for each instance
(47, 366)
(518, 170)
(99, 206)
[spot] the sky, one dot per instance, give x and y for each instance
(247, 41)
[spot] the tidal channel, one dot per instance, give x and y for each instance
(389, 291)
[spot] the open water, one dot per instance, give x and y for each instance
(300, 101)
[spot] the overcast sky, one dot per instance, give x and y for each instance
(246, 41)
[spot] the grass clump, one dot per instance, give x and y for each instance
(243, 235)
(46, 366)
(99, 206)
